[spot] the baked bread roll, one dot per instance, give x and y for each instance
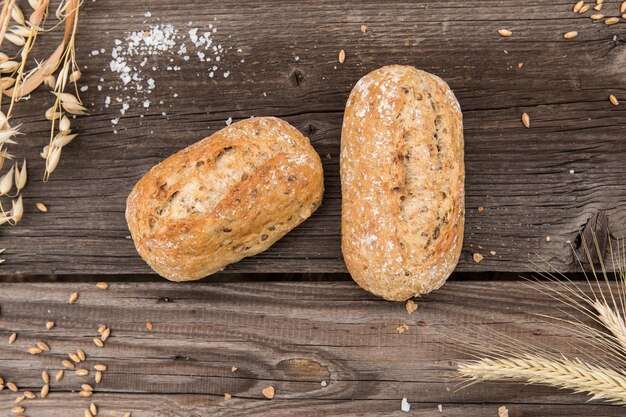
(229, 196)
(402, 179)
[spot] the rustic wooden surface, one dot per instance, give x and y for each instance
(520, 176)
(292, 336)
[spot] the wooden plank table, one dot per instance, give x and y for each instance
(536, 189)
(296, 337)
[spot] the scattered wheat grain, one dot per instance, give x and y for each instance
(86, 394)
(81, 354)
(622, 7)
(98, 342)
(102, 285)
(12, 386)
(93, 408)
(613, 100)
(49, 325)
(505, 33)
(570, 35)
(12, 338)
(30, 395)
(578, 6)
(269, 392)
(611, 21)
(44, 391)
(59, 375)
(34, 350)
(98, 377)
(342, 56)
(82, 372)
(73, 298)
(584, 9)
(45, 376)
(43, 346)
(19, 399)
(105, 334)
(100, 367)
(67, 364)
(526, 120)
(597, 16)
(18, 410)
(88, 413)
(86, 387)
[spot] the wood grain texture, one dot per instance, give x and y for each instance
(522, 177)
(292, 336)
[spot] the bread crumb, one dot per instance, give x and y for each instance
(493, 252)
(421, 323)
(477, 257)
(405, 406)
(548, 238)
(342, 56)
(402, 328)
(410, 306)
(503, 411)
(440, 408)
(227, 396)
(269, 392)
(233, 369)
(323, 383)
(363, 28)
(481, 209)
(149, 326)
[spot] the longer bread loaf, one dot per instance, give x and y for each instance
(402, 177)
(226, 197)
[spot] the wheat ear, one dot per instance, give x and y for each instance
(597, 381)
(613, 321)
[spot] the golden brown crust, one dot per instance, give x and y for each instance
(229, 196)
(402, 176)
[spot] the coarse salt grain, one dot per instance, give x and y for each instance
(405, 406)
(131, 54)
(229, 121)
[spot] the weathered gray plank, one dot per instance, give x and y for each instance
(520, 176)
(289, 335)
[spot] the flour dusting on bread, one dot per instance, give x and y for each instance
(402, 182)
(229, 196)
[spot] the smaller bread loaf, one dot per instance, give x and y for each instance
(402, 180)
(229, 196)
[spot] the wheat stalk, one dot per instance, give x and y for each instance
(599, 382)
(601, 377)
